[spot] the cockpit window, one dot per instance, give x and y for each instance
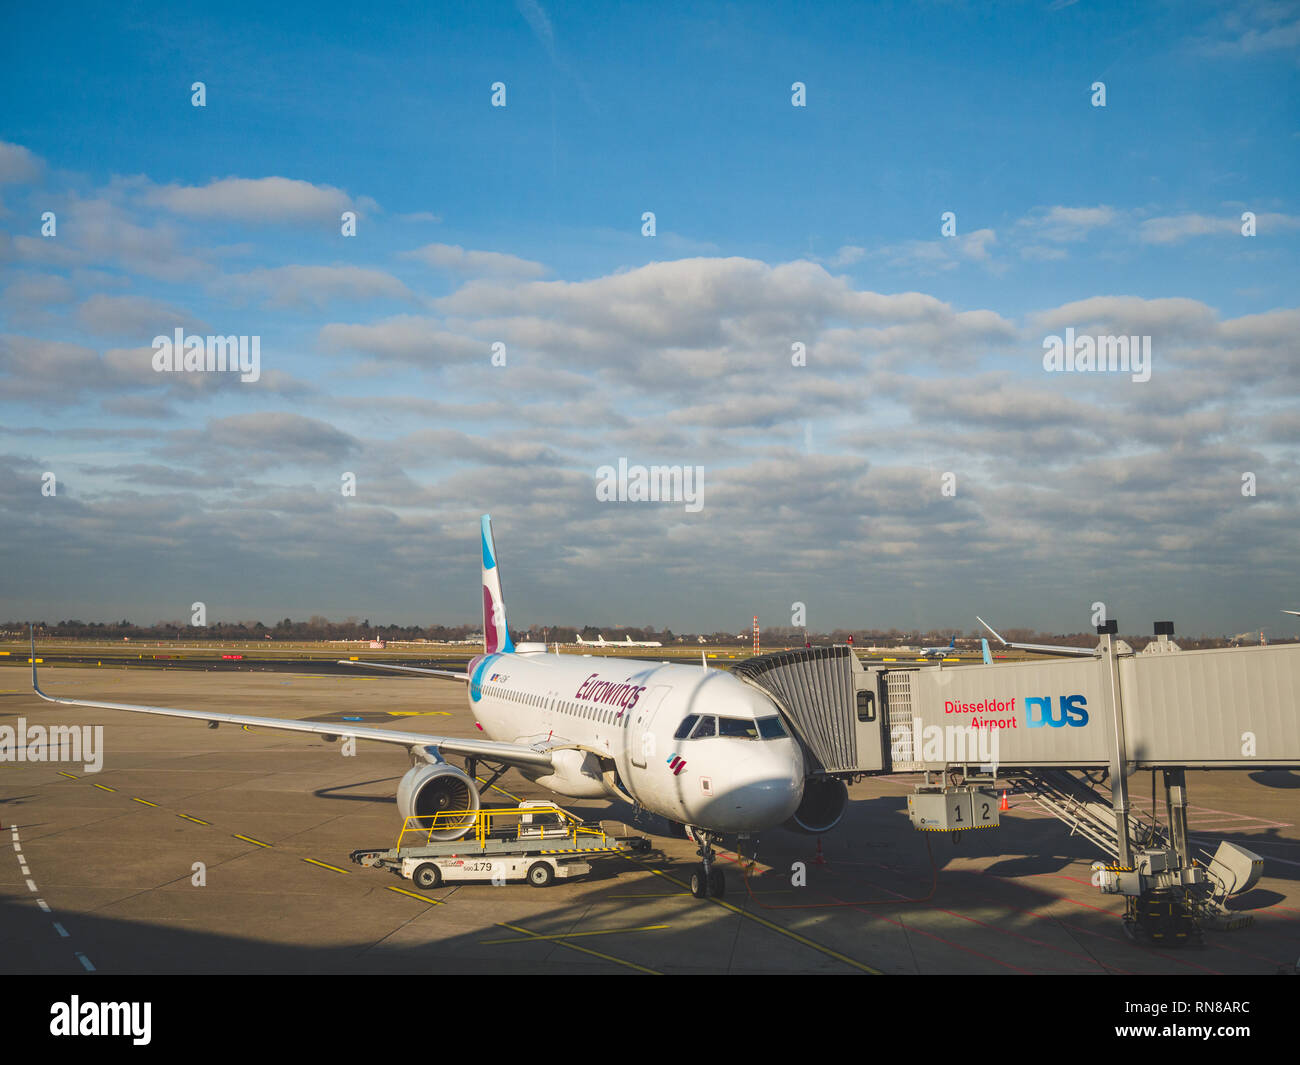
(708, 726)
(684, 729)
(737, 728)
(770, 728)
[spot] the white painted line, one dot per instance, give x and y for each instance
(31, 886)
(43, 905)
(23, 867)
(61, 930)
(17, 846)
(86, 962)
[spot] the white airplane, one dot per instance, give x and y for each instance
(600, 641)
(695, 745)
(629, 642)
(940, 652)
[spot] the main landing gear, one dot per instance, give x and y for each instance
(706, 878)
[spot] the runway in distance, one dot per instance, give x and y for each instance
(697, 746)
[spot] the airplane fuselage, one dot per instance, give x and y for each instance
(643, 721)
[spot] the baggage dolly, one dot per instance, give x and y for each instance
(534, 841)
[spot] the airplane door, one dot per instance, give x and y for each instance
(640, 736)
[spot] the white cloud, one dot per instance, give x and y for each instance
(1170, 229)
(18, 165)
(412, 339)
(314, 286)
(134, 316)
(454, 258)
(269, 199)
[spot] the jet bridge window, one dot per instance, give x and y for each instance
(866, 706)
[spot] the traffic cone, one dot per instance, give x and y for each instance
(1004, 805)
(820, 859)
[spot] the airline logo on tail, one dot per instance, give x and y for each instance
(496, 634)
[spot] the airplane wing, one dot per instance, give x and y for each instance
(1043, 648)
(514, 754)
(449, 674)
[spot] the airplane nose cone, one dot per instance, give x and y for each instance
(760, 791)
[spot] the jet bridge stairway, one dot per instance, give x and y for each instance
(1077, 803)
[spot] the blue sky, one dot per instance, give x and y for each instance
(775, 224)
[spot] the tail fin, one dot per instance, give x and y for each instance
(952, 643)
(496, 633)
(988, 658)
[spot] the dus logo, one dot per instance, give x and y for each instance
(1070, 710)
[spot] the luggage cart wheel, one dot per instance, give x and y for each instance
(426, 877)
(540, 874)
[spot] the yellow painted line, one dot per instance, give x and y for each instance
(323, 865)
(412, 894)
(196, 820)
(762, 920)
(70, 776)
(571, 935)
(103, 787)
(584, 950)
(249, 839)
(4, 652)
(507, 794)
(145, 801)
(248, 728)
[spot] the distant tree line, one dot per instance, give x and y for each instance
(321, 628)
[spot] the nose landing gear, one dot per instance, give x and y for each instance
(706, 878)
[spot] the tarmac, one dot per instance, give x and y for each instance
(226, 851)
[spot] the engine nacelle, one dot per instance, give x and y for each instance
(824, 799)
(438, 788)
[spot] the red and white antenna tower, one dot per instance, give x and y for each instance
(755, 634)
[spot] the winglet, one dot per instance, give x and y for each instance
(35, 686)
(991, 629)
(988, 658)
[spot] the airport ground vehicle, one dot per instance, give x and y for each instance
(534, 841)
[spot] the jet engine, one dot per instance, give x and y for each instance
(824, 799)
(438, 788)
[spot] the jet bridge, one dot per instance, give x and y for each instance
(1068, 732)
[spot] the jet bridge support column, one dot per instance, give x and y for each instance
(1176, 804)
(1119, 749)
